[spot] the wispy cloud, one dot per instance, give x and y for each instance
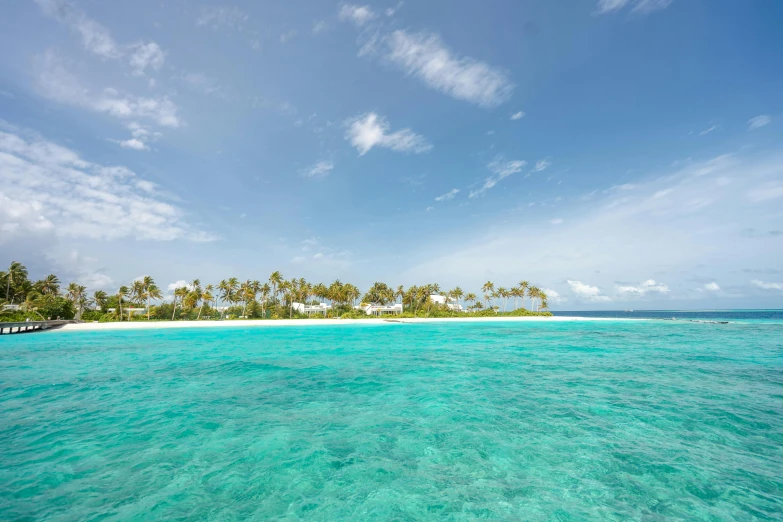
(646, 287)
(626, 235)
(767, 286)
(517, 116)
(712, 287)
(426, 57)
(758, 122)
(56, 192)
(501, 170)
(357, 14)
(57, 83)
(448, 195)
(221, 17)
(317, 171)
(709, 130)
(146, 55)
(587, 292)
(95, 37)
(370, 130)
(639, 6)
(542, 165)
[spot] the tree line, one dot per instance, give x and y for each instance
(273, 298)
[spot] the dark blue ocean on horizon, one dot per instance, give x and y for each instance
(684, 315)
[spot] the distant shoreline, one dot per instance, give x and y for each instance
(142, 325)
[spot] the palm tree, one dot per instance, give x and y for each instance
(206, 297)
(77, 294)
(180, 293)
(264, 291)
(544, 305)
(49, 285)
(488, 289)
(534, 293)
(16, 272)
(400, 292)
(524, 286)
(150, 291)
(100, 298)
(122, 292)
(503, 294)
(276, 280)
(470, 298)
(457, 295)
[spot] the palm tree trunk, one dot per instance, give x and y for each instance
(120, 308)
(199, 311)
(175, 308)
(148, 309)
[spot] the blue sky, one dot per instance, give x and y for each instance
(618, 153)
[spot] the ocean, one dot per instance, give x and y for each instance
(602, 420)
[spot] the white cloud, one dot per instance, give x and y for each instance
(54, 191)
(179, 284)
(320, 26)
(425, 56)
(297, 259)
(287, 36)
(319, 255)
(319, 170)
(428, 209)
(370, 130)
(357, 14)
(146, 55)
(133, 143)
(711, 129)
(758, 121)
(56, 83)
(448, 195)
(712, 287)
(554, 296)
(557, 221)
(628, 235)
(200, 81)
(606, 6)
(95, 37)
(639, 6)
(392, 10)
(767, 286)
(587, 292)
(765, 191)
(502, 170)
(646, 287)
(221, 17)
(648, 6)
(542, 165)
(518, 115)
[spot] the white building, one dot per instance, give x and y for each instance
(375, 309)
(451, 303)
(320, 308)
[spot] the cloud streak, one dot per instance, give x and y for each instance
(56, 192)
(370, 130)
(501, 170)
(426, 57)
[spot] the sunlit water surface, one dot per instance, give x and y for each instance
(611, 420)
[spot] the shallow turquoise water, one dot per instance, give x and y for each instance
(526, 421)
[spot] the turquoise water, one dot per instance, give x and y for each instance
(528, 421)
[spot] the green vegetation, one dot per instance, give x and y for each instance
(232, 299)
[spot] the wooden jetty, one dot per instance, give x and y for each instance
(30, 326)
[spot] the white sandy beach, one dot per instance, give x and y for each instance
(248, 323)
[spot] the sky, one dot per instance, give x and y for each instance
(616, 153)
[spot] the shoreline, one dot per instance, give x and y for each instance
(142, 325)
